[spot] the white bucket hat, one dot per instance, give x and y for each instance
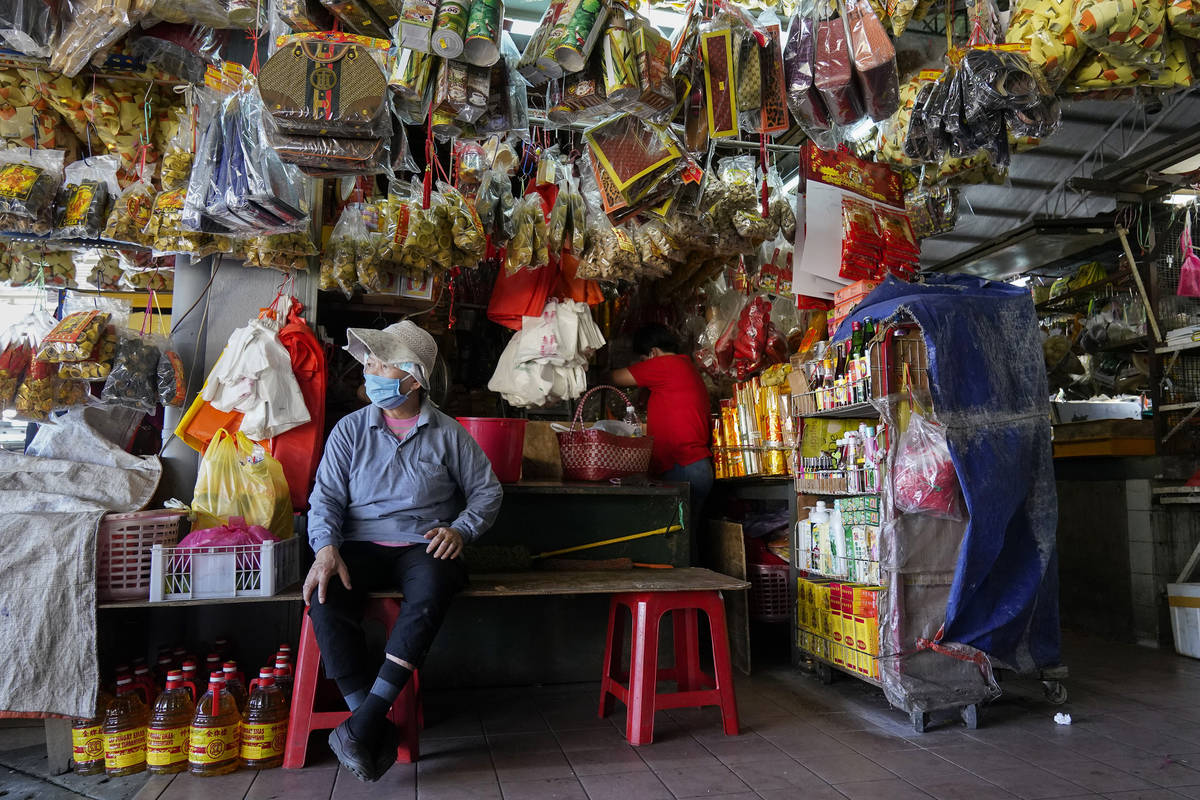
(403, 345)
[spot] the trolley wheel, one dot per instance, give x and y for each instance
(920, 720)
(1055, 692)
(825, 673)
(970, 716)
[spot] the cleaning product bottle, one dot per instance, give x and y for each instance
(235, 684)
(215, 739)
(170, 727)
(283, 674)
(87, 738)
(818, 518)
(264, 723)
(125, 730)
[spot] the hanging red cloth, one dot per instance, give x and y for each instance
(299, 450)
(524, 293)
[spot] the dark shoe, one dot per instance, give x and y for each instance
(386, 754)
(354, 755)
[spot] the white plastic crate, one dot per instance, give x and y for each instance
(1184, 601)
(201, 573)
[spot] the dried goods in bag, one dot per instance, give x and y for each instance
(86, 197)
(29, 181)
(133, 382)
(98, 365)
(130, 215)
(348, 243)
(528, 248)
(74, 337)
(874, 61)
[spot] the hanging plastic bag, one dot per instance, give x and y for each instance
(874, 61)
(238, 478)
(1189, 275)
(133, 382)
(834, 73)
(348, 243)
(86, 196)
(17, 346)
(31, 179)
(924, 480)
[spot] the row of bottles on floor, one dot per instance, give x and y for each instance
(230, 726)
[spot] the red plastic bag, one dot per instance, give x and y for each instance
(235, 532)
(1189, 275)
(924, 480)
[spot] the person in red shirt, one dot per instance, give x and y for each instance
(677, 414)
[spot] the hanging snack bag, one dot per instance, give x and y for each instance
(98, 366)
(172, 385)
(347, 244)
(874, 61)
(133, 382)
(528, 248)
(834, 73)
(29, 181)
(86, 196)
(74, 337)
(130, 215)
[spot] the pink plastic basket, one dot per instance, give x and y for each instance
(123, 545)
(592, 455)
(769, 601)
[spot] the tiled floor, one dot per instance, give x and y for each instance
(1136, 736)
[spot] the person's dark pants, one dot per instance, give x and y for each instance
(699, 477)
(428, 584)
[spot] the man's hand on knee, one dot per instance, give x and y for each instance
(444, 543)
(327, 564)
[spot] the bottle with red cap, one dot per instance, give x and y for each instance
(143, 678)
(125, 730)
(215, 738)
(189, 673)
(163, 666)
(264, 723)
(212, 663)
(235, 684)
(178, 654)
(87, 738)
(223, 649)
(169, 730)
(283, 674)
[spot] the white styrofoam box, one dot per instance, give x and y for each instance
(1080, 410)
(1184, 600)
(198, 573)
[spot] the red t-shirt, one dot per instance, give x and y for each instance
(678, 411)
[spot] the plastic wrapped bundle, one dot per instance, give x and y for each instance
(804, 101)
(28, 26)
(1001, 81)
(874, 61)
(1131, 31)
(1044, 27)
(1104, 76)
(834, 73)
(30, 179)
(1184, 17)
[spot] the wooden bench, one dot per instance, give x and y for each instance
(498, 584)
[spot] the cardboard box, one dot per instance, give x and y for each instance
(855, 291)
(838, 654)
(865, 602)
(866, 635)
(540, 460)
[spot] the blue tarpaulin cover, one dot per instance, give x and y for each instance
(988, 386)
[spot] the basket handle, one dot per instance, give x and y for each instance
(578, 421)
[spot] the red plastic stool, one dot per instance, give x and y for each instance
(405, 712)
(695, 687)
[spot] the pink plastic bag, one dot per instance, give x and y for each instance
(236, 532)
(924, 480)
(1189, 273)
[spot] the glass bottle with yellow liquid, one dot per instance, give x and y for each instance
(235, 684)
(265, 723)
(283, 673)
(215, 737)
(87, 738)
(125, 730)
(170, 726)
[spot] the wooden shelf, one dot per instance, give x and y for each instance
(1176, 348)
(1092, 288)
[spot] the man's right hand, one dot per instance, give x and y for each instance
(327, 564)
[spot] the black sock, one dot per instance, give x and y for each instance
(354, 688)
(367, 721)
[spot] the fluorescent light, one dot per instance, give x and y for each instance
(1022, 281)
(861, 130)
(1181, 198)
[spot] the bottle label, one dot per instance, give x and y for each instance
(167, 747)
(87, 744)
(124, 748)
(263, 741)
(213, 745)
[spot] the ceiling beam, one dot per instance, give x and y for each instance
(992, 211)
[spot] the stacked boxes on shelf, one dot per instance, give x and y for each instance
(842, 543)
(839, 623)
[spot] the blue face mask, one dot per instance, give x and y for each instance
(385, 392)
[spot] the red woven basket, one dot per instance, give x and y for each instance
(592, 455)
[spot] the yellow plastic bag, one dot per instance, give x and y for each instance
(239, 478)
